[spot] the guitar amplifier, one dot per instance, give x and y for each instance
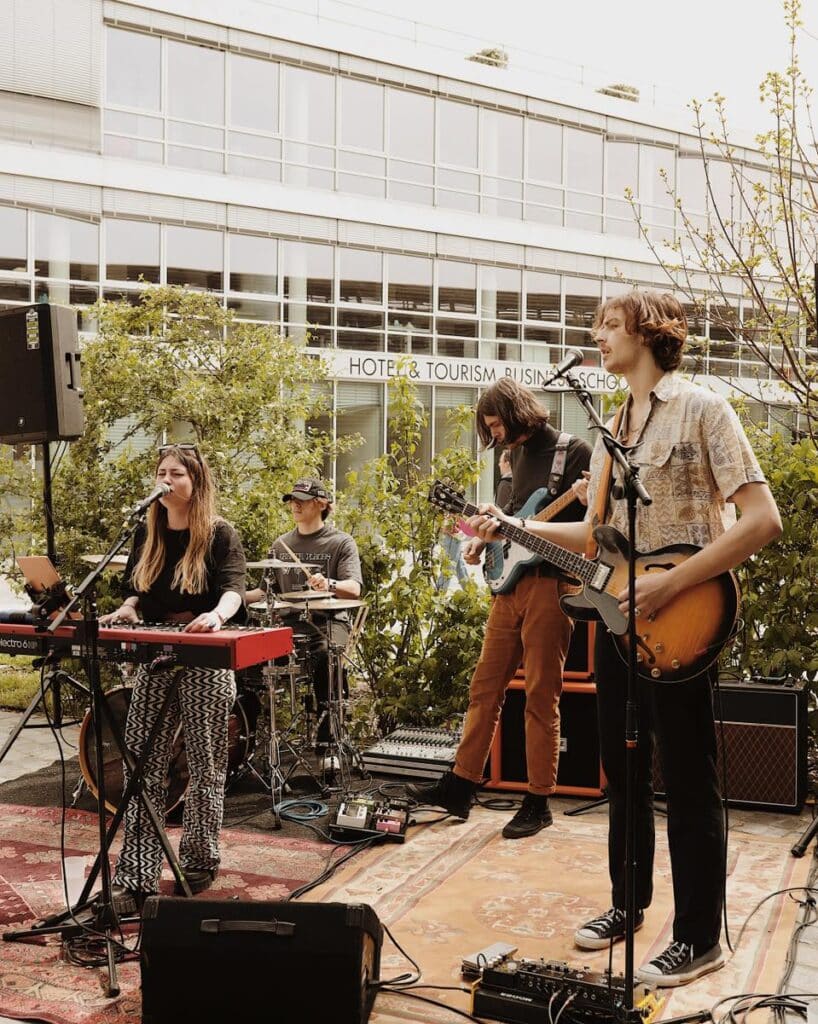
(579, 772)
(764, 745)
(211, 961)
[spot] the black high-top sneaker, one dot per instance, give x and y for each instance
(451, 792)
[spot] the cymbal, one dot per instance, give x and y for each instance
(278, 606)
(117, 563)
(337, 604)
(279, 563)
(306, 595)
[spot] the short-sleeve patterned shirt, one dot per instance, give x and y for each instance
(693, 455)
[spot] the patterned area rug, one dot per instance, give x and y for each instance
(450, 890)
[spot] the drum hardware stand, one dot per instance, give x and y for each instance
(279, 781)
(105, 916)
(339, 748)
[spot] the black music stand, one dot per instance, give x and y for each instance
(104, 913)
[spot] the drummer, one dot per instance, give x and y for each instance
(336, 573)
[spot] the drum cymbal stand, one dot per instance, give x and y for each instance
(340, 749)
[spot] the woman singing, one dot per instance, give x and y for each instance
(187, 566)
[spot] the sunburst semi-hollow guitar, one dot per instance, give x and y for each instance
(505, 561)
(686, 635)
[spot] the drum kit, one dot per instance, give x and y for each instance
(257, 745)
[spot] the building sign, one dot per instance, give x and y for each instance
(376, 366)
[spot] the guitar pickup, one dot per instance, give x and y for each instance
(601, 577)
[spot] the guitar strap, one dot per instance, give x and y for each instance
(603, 494)
(558, 464)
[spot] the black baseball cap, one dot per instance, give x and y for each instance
(306, 488)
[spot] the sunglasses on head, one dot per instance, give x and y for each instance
(165, 448)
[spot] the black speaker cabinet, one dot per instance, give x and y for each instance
(765, 743)
(579, 662)
(40, 391)
(579, 772)
(211, 961)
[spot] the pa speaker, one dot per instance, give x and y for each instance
(578, 771)
(40, 391)
(763, 749)
(211, 961)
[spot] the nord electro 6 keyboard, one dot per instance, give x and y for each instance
(235, 648)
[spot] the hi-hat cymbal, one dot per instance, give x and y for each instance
(305, 595)
(278, 606)
(117, 563)
(279, 563)
(337, 604)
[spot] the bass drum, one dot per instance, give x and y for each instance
(241, 741)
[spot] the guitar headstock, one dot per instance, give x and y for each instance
(446, 497)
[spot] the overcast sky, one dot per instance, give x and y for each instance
(688, 48)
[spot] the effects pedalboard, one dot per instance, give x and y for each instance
(360, 816)
(532, 991)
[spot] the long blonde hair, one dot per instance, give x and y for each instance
(190, 576)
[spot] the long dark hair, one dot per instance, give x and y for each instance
(515, 406)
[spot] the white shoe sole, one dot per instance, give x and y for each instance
(677, 980)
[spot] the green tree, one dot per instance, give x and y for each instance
(419, 644)
(177, 366)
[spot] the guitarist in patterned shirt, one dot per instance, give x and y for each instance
(698, 467)
(526, 623)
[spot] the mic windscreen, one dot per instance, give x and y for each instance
(18, 617)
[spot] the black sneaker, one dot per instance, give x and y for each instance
(198, 881)
(451, 792)
(678, 965)
(127, 902)
(605, 929)
(534, 814)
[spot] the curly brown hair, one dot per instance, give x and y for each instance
(515, 406)
(657, 316)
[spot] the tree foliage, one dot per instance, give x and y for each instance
(419, 643)
(177, 366)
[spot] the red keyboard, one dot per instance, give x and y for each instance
(228, 648)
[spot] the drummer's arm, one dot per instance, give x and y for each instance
(257, 594)
(347, 588)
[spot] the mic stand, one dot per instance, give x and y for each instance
(634, 491)
(66, 924)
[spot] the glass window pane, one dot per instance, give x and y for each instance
(501, 144)
(359, 411)
(692, 183)
(623, 168)
(195, 83)
(361, 114)
(195, 135)
(308, 274)
(361, 276)
(581, 300)
(253, 309)
(411, 193)
(249, 167)
(194, 257)
(457, 133)
(253, 93)
(133, 149)
(13, 244)
(309, 105)
(134, 124)
(656, 165)
(196, 159)
(132, 250)
(500, 293)
(543, 296)
(253, 264)
(410, 283)
(254, 145)
(457, 287)
(544, 151)
(583, 160)
(132, 65)
(361, 186)
(65, 248)
(15, 291)
(411, 126)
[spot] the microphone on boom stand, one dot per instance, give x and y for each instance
(158, 492)
(573, 357)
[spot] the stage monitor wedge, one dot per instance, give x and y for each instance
(40, 388)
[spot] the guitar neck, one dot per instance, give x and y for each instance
(554, 509)
(569, 561)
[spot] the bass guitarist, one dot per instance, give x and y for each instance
(526, 623)
(697, 465)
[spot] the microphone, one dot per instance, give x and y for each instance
(158, 492)
(573, 357)
(19, 617)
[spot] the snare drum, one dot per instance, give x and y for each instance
(241, 739)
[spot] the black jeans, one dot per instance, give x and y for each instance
(317, 635)
(679, 716)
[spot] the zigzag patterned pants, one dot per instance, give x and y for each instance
(203, 701)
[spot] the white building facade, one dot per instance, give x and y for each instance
(357, 191)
